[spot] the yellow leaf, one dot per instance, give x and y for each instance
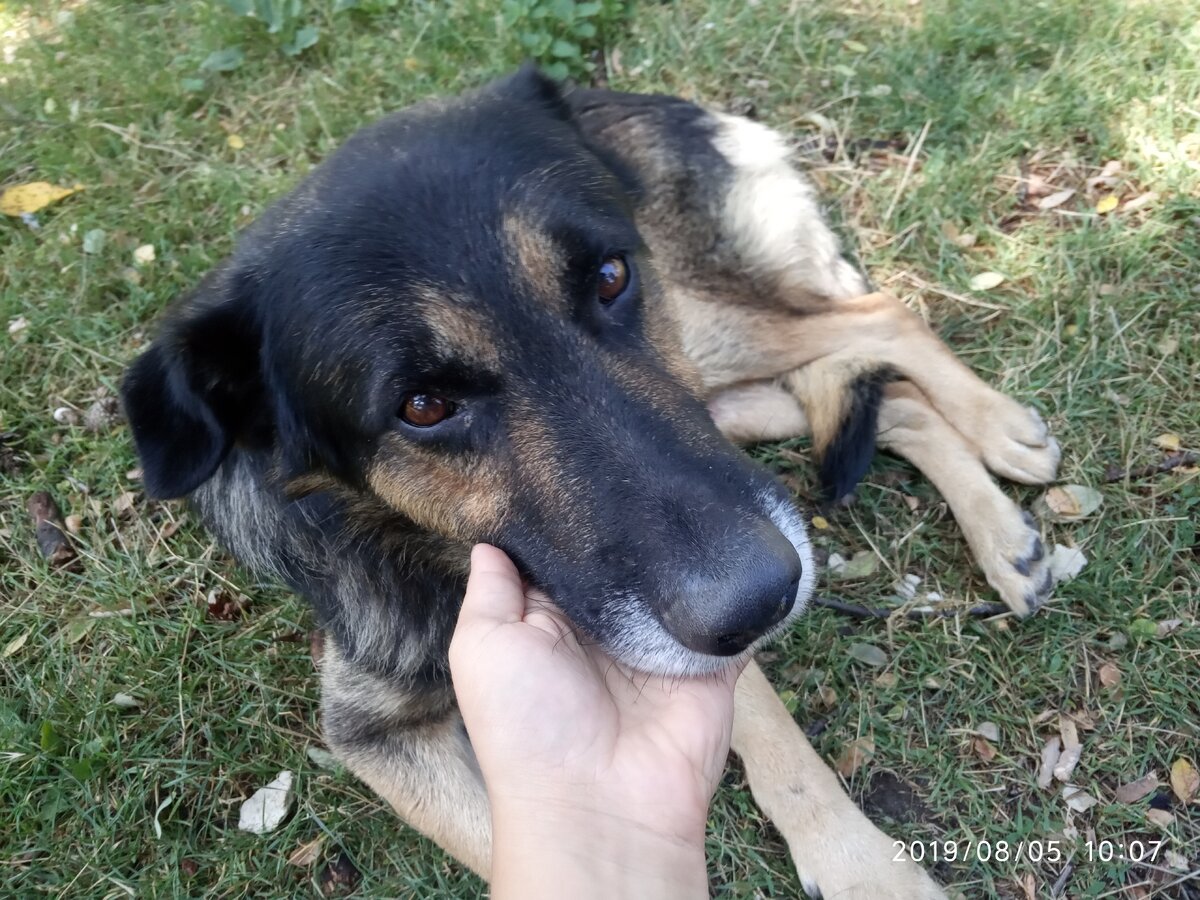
(985, 281)
(1168, 441)
(1185, 780)
(1107, 204)
(22, 199)
(144, 255)
(412, 64)
(235, 141)
(855, 46)
(820, 523)
(854, 756)
(14, 645)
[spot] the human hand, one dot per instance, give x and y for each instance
(556, 724)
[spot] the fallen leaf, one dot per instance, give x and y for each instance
(14, 646)
(144, 255)
(74, 524)
(861, 565)
(869, 654)
(77, 629)
(93, 241)
(983, 749)
(125, 503)
(411, 64)
(854, 756)
(17, 325)
(1143, 628)
(855, 46)
(26, 199)
(338, 877)
(1139, 201)
(1185, 780)
(268, 806)
(1168, 441)
(1160, 817)
(235, 142)
(989, 730)
(322, 758)
(827, 697)
(1077, 798)
(1165, 627)
(1107, 204)
(1028, 885)
(224, 606)
(307, 853)
(1071, 749)
(102, 415)
(1069, 502)
(125, 701)
(1058, 198)
(189, 867)
(1110, 675)
(886, 679)
(1134, 791)
(985, 281)
(1177, 861)
(820, 523)
(1050, 755)
(49, 529)
(1065, 563)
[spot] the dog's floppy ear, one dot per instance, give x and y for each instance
(197, 389)
(529, 85)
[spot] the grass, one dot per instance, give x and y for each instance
(1095, 324)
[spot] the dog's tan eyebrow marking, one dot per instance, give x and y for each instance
(535, 258)
(463, 499)
(458, 330)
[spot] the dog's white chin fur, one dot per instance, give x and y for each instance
(645, 646)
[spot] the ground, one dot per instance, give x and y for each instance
(940, 131)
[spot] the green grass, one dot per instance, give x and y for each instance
(1096, 325)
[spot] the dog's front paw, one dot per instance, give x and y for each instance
(1016, 444)
(874, 876)
(1009, 549)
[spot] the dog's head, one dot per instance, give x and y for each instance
(455, 316)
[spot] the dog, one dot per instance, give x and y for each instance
(542, 317)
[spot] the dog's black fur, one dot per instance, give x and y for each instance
(271, 394)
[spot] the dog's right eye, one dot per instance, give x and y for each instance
(425, 410)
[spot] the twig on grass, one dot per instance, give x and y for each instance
(1166, 464)
(982, 610)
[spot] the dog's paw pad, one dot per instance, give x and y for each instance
(1016, 563)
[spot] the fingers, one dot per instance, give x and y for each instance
(495, 595)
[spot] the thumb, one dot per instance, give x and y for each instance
(495, 595)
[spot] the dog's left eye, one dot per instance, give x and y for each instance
(612, 279)
(425, 410)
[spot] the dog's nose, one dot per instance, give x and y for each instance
(722, 616)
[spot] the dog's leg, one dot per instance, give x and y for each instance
(1003, 538)
(426, 771)
(735, 345)
(837, 851)
(757, 412)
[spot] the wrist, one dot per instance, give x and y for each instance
(582, 851)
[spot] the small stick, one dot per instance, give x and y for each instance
(1169, 462)
(51, 533)
(855, 611)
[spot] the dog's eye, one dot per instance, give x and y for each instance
(612, 279)
(425, 410)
